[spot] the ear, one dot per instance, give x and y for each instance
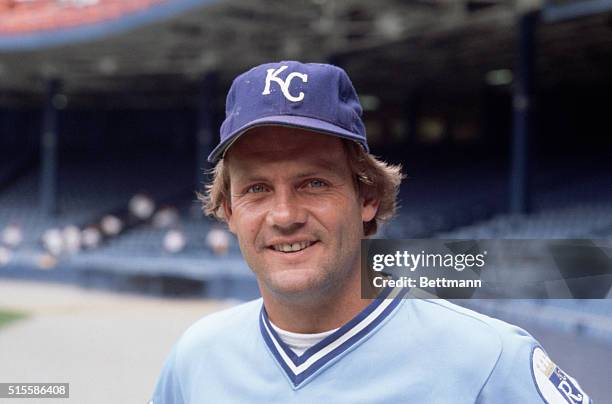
(369, 206)
(227, 212)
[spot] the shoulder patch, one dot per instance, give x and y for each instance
(554, 385)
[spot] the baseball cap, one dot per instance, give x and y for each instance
(312, 96)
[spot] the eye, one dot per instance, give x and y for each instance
(257, 188)
(316, 184)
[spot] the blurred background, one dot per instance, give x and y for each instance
(498, 111)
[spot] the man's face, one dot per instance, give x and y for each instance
(295, 209)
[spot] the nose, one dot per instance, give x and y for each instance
(286, 212)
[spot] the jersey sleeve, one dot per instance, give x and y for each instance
(524, 373)
(168, 388)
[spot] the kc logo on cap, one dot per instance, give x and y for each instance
(311, 96)
(284, 85)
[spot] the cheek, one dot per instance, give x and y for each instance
(341, 216)
(245, 227)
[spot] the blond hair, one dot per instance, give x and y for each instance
(373, 178)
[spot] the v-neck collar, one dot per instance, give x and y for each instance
(299, 368)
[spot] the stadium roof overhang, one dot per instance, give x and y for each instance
(158, 54)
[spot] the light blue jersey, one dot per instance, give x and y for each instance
(395, 350)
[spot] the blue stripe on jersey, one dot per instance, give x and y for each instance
(300, 368)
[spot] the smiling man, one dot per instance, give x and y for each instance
(295, 182)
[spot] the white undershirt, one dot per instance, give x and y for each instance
(299, 343)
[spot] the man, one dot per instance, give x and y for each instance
(296, 184)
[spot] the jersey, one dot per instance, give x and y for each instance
(395, 350)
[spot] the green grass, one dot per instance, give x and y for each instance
(9, 316)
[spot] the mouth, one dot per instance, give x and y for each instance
(292, 248)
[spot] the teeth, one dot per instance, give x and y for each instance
(292, 247)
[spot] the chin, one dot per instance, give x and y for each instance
(296, 282)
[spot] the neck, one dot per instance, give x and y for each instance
(318, 313)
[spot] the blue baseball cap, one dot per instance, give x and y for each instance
(312, 96)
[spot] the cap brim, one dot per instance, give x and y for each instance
(292, 121)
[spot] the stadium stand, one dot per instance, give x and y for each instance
(581, 221)
(87, 193)
(12, 166)
(468, 201)
(579, 209)
(434, 198)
